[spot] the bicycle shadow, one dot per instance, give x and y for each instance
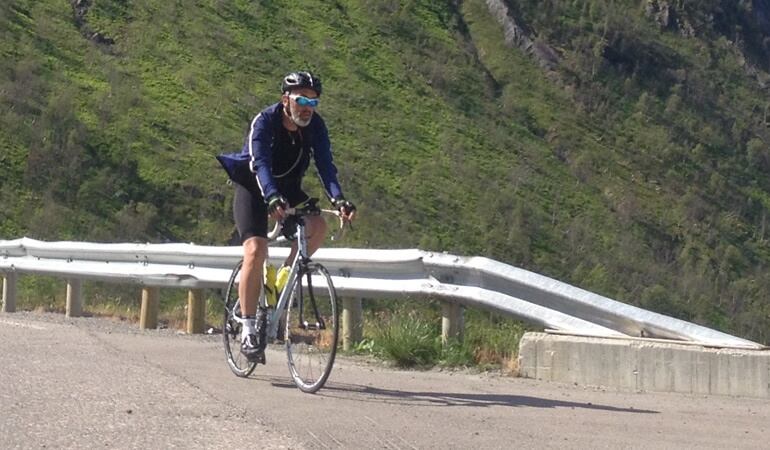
(374, 394)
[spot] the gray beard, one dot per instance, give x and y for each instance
(298, 120)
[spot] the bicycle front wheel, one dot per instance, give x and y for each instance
(312, 328)
(231, 328)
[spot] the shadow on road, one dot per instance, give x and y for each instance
(368, 393)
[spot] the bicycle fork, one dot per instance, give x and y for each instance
(304, 324)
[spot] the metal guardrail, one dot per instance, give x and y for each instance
(470, 281)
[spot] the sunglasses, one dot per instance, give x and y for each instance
(304, 101)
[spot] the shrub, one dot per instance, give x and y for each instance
(408, 340)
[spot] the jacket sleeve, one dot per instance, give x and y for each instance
(259, 144)
(322, 154)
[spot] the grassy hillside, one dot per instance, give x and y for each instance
(634, 165)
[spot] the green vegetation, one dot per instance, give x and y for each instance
(635, 166)
(408, 333)
(406, 339)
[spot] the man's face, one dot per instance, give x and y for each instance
(300, 114)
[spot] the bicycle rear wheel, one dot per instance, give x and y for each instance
(312, 329)
(231, 329)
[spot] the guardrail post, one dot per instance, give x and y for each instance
(74, 298)
(9, 292)
(352, 322)
(148, 317)
(196, 311)
(452, 321)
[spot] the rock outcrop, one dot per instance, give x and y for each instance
(79, 10)
(517, 36)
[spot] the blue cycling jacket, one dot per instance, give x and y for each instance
(268, 154)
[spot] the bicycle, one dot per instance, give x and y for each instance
(305, 313)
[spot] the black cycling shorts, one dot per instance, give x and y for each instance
(250, 209)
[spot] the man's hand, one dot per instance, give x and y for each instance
(346, 208)
(277, 206)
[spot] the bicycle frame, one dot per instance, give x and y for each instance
(301, 259)
(310, 323)
(274, 316)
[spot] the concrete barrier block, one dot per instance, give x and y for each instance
(702, 377)
(656, 368)
(736, 372)
(645, 365)
(544, 362)
(594, 364)
(528, 356)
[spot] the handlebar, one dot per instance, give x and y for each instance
(310, 210)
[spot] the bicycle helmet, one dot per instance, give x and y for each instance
(298, 80)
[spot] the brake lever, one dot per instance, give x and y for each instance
(344, 225)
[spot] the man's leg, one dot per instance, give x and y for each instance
(250, 214)
(254, 255)
(316, 233)
(315, 227)
(252, 335)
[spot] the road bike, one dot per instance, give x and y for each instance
(305, 317)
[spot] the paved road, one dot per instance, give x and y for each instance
(96, 383)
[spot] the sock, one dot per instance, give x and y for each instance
(249, 327)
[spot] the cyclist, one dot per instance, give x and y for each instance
(267, 174)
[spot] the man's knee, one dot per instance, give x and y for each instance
(254, 251)
(318, 226)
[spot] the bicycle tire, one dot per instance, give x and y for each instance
(311, 349)
(231, 329)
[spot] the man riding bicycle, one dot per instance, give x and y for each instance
(267, 174)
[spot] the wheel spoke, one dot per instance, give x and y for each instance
(311, 349)
(231, 329)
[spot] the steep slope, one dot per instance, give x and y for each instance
(620, 145)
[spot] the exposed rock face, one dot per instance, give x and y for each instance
(517, 36)
(746, 26)
(666, 15)
(672, 15)
(79, 10)
(660, 11)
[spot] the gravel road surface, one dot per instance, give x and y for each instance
(99, 383)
